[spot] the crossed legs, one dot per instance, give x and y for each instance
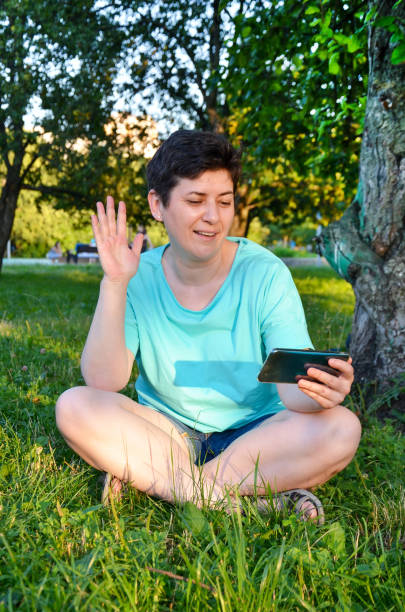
(138, 445)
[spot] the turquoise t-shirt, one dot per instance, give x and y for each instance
(201, 366)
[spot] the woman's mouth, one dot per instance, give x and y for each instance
(207, 235)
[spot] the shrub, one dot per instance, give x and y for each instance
(37, 226)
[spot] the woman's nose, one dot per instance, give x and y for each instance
(211, 212)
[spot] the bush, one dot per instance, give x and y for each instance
(37, 226)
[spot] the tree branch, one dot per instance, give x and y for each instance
(28, 168)
(54, 191)
(3, 140)
(172, 33)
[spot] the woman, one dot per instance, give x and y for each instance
(200, 315)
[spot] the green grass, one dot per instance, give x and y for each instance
(61, 550)
(282, 251)
(328, 303)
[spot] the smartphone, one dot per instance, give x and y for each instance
(290, 365)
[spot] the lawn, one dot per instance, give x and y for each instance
(61, 550)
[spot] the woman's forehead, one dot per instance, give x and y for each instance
(219, 181)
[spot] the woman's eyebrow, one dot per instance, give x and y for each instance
(202, 193)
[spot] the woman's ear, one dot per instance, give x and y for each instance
(155, 205)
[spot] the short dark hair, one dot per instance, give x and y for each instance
(187, 154)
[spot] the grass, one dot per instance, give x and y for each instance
(61, 550)
(282, 251)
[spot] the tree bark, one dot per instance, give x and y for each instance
(367, 245)
(8, 205)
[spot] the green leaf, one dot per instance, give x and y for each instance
(336, 539)
(246, 31)
(368, 570)
(398, 54)
(342, 39)
(311, 10)
(383, 22)
(194, 519)
(334, 67)
(353, 44)
(327, 19)
(396, 38)
(371, 14)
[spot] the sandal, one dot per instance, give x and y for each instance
(293, 501)
(111, 487)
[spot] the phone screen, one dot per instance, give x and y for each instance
(290, 365)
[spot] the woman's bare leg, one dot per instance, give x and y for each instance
(138, 445)
(289, 450)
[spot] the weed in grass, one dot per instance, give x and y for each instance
(60, 549)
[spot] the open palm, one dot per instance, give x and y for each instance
(119, 262)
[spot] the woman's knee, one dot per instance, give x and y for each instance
(68, 408)
(345, 432)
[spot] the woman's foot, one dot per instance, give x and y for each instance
(112, 487)
(304, 503)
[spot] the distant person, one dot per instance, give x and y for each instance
(200, 314)
(71, 256)
(55, 252)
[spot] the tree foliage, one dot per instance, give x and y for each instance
(58, 64)
(239, 67)
(296, 84)
(174, 53)
(39, 225)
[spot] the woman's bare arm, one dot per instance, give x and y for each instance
(106, 362)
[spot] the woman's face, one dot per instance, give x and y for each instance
(199, 214)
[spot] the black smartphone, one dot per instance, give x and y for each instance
(290, 365)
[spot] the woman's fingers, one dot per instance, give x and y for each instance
(323, 401)
(137, 244)
(107, 223)
(102, 220)
(122, 221)
(112, 226)
(345, 367)
(96, 229)
(329, 390)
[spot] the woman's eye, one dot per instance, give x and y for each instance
(226, 203)
(194, 201)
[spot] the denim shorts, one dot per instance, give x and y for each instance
(206, 446)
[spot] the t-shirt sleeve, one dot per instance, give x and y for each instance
(131, 328)
(283, 323)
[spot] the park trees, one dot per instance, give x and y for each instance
(58, 62)
(296, 106)
(174, 52)
(208, 65)
(366, 246)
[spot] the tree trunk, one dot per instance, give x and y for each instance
(241, 220)
(8, 205)
(367, 245)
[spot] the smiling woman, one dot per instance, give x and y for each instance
(200, 314)
(197, 219)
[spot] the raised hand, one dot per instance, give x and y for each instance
(119, 262)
